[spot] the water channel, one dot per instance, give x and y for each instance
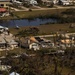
(26, 22)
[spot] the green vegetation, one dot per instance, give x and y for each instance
(28, 32)
(47, 29)
(43, 64)
(34, 14)
(52, 13)
(69, 11)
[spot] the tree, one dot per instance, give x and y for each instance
(39, 1)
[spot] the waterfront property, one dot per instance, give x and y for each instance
(2, 29)
(4, 3)
(36, 43)
(2, 43)
(18, 3)
(67, 2)
(30, 2)
(7, 41)
(47, 2)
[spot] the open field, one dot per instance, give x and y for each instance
(37, 13)
(47, 29)
(33, 14)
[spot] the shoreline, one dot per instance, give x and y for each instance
(47, 28)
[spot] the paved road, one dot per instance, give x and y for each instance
(39, 8)
(66, 34)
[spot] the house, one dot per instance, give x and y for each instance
(36, 43)
(31, 2)
(2, 43)
(47, 2)
(4, 3)
(7, 43)
(68, 42)
(11, 43)
(67, 2)
(14, 73)
(33, 43)
(15, 2)
(55, 1)
(34, 46)
(2, 29)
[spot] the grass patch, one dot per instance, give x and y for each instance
(37, 13)
(47, 29)
(33, 14)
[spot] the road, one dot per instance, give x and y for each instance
(66, 34)
(40, 8)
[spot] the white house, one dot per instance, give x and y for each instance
(55, 1)
(32, 2)
(3, 28)
(34, 46)
(17, 2)
(67, 2)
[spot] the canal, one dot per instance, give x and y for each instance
(26, 22)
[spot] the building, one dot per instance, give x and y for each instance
(7, 41)
(34, 46)
(14, 73)
(55, 1)
(18, 3)
(31, 2)
(67, 2)
(47, 2)
(2, 29)
(2, 44)
(4, 3)
(11, 43)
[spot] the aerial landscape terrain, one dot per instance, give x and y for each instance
(37, 37)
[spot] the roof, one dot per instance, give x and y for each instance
(1, 27)
(67, 41)
(33, 39)
(4, 0)
(11, 41)
(14, 73)
(2, 40)
(3, 10)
